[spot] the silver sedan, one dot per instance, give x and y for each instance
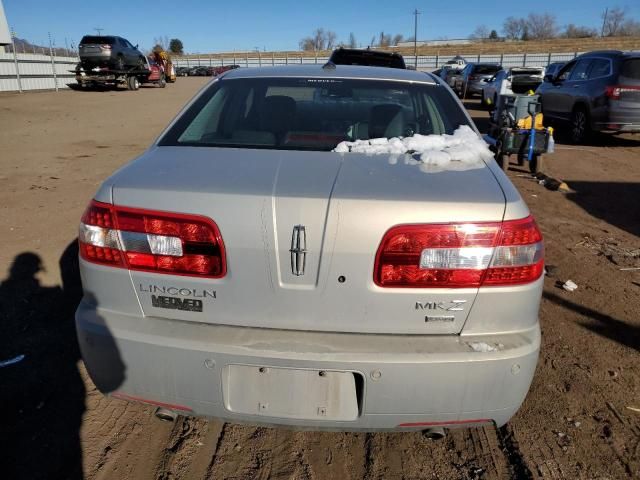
(242, 269)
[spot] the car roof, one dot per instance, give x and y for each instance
(335, 71)
(610, 53)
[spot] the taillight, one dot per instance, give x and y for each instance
(151, 241)
(460, 255)
(105, 46)
(615, 91)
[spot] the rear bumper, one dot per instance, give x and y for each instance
(405, 382)
(618, 118)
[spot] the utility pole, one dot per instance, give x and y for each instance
(99, 30)
(604, 20)
(415, 36)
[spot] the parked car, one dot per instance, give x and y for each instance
(456, 63)
(109, 51)
(182, 71)
(230, 272)
(224, 68)
(597, 91)
(373, 58)
(471, 81)
(553, 68)
(451, 75)
(199, 72)
(514, 80)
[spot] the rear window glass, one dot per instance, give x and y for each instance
(312, 113)
(98, 40)
(485, 69)
(631, 69)
(579, 72)
(599, 68)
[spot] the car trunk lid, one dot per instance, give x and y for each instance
(301, 231)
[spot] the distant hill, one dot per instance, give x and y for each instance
(25, 46)
(555, 45)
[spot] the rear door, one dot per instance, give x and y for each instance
(554, 94)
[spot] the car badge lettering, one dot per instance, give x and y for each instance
(450, 306)
(176, 303)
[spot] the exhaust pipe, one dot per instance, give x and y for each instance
(166, 414)
(435, 433)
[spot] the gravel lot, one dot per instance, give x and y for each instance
(581, 418)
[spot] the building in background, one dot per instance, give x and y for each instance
(5, 38)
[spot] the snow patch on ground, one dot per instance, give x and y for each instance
(464, 149)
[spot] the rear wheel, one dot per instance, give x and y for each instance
(133, 83)
(579, 125)
(162, 82)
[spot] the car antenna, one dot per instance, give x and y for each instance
(329, 66)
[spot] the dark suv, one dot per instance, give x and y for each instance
(372, 58)
(109, 51)
(597, 91)
(471, 79)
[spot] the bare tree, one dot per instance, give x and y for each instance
(541, 26)
(353, 43)
(575, 31)
(373, 41)
(630, 28)
(480, 33)
(162, 41)
(397, 39)
(330, 40)
(319, 40)
(513, 28)
(385, 39)
(613, 21)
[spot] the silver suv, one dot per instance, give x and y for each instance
(246, 268)
(109, 51)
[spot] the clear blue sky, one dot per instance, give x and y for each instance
(214, 26)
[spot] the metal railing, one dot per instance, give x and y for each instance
(26, 71)
(423, 62)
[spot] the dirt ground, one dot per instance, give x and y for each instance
(581, 418)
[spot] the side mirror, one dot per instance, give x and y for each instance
(548, 78)
(136, 45)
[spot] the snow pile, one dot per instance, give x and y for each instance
(464, 146)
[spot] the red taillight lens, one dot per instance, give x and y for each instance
(460, 255)
(614, 92)
(106, 46)
(152, 241)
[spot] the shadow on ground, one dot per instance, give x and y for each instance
(616, 203)
(42, 393)
(600, 323)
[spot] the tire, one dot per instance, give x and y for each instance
(579, 125)
(162, 82)
(133, 83)
(120, 64)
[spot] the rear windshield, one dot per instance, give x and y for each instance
(312, 113)
(486, 69)
(97, 40)
(631, 69)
